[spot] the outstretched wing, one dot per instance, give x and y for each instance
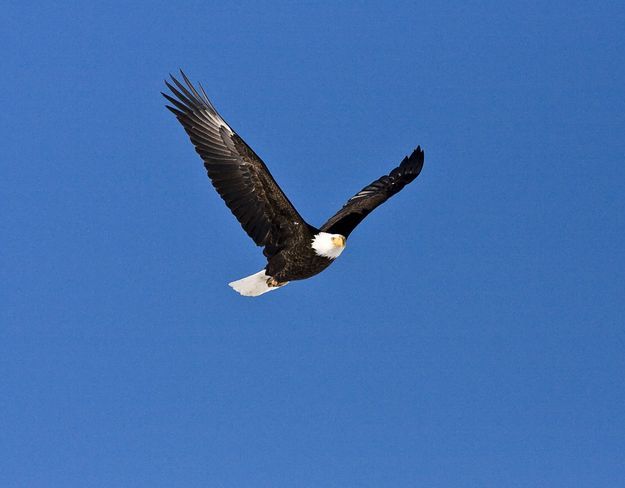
(237, 173)
(375, 194)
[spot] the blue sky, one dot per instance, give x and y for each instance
(471, 335)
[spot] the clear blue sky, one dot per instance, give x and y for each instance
(470, 336)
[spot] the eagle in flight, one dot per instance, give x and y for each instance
(295, 250)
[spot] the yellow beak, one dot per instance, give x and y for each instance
(338, 241)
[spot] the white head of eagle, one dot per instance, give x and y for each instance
(328, 245)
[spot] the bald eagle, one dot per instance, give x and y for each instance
(295, 250)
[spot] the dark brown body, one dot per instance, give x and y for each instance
(299, 261)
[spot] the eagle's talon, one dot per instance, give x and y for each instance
(273, 283)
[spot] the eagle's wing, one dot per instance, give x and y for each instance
(367, 199)
(237, 173)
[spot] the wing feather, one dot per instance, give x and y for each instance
(374, 194)
(237, 173)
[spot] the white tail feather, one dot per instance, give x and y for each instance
(253, 285)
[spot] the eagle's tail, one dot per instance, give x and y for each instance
(254, 285)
